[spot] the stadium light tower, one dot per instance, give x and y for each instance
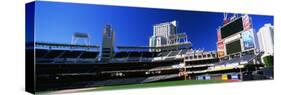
(80, 36)
(225, 19)
(224, 16)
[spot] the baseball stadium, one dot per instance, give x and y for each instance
(168, 60)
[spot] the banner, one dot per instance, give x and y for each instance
(220, 45)
(248, 39)
(224, 76)
(246, 23)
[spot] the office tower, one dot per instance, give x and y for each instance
(161, 34)
(107, 44)
(265, 39)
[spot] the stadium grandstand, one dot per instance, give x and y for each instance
(239, 57)
(61, 66)
(65, 66)
(65, 53)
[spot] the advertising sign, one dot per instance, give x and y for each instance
(220, 45)
(246, 23)
(248, 39)
(224, 76)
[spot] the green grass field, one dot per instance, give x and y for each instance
(157, 84)
(134, 86)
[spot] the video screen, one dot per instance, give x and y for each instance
(232, 28)
(233, 47)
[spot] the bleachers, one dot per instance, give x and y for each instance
(242, 59)
(53, 53)
(76, 82)
(155, 54)
(89, 55)
(41, 52)
(134, 59)
(71, 54)
(134, 54)
(247, 58)
(183, 51)
(65, 56)
(164, 53)
(121, 55)
(234, 60)
(147, 55)
(174, 53)
(223, 61)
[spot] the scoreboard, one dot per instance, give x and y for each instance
(233, 47)
(232, 28)
(235, 36)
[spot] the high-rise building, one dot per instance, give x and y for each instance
(164, 29)
(161, 34)
(265, 39)
(107, 44)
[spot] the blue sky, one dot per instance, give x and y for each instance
(56, 22)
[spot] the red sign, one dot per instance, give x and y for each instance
(246, 23)
(219, 35)
(220, 45)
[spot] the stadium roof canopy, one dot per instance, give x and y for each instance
(62, 45)
(165, 47)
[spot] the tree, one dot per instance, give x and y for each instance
(268, 61)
